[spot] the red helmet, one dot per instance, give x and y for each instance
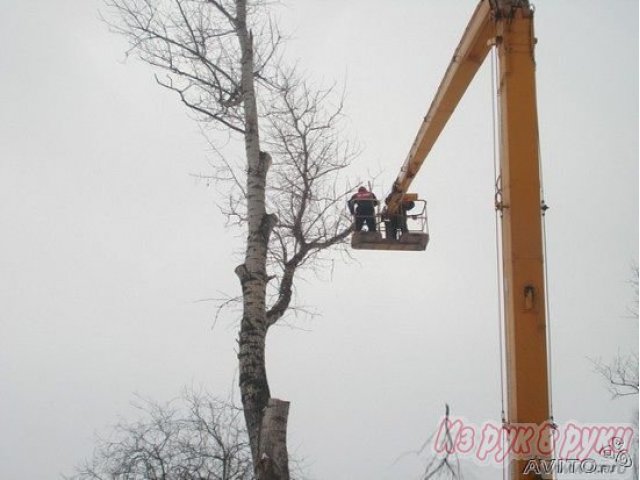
(362, 190)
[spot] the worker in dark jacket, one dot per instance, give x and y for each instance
(362, 205)
(397, 222)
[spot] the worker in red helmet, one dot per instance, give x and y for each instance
(362, 205)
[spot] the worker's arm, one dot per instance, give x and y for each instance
(350, 204)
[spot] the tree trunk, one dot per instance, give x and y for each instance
(266, 418)
(274, 459)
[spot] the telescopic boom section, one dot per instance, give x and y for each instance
(468, 58)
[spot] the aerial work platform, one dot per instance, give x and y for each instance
(404, 232)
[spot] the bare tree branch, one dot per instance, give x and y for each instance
(222, 59)
(194, 437)
(621, 374)
(445, 465)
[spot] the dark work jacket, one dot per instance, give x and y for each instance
(362, 203)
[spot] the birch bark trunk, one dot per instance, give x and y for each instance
(266, 418)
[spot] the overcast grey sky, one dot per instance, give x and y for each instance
(108, 243)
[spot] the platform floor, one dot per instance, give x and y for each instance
(374, 241)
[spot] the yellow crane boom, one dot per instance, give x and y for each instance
(507, 24)
(467, 59)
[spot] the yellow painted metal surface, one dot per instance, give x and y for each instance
(509, 25)
(410, 197)
(523, 262)
(468, 58)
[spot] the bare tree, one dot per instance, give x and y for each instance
(441, 461)
(621, 374)
(446, 464)
(194, 437)
(222, 59)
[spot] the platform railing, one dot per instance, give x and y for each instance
(416, 221)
